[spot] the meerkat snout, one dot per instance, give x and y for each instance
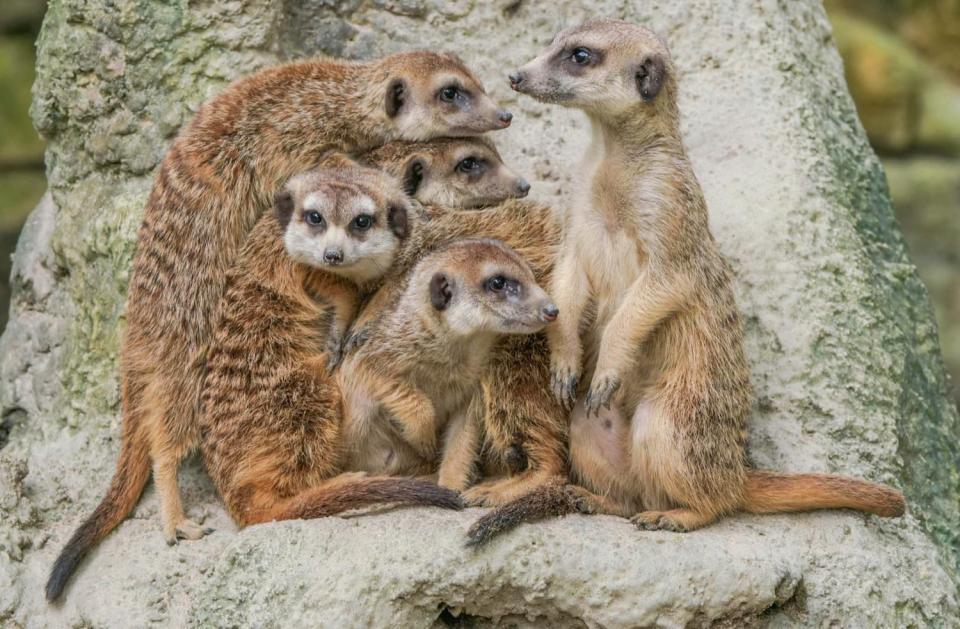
(523, 187)
(333, 256)
(504, 117)
(516, 80)
(549, 313)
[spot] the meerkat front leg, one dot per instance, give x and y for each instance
(461, 445)
(375, 307)
(412, 411)
(570, 293)
(648, 301)
(344, 301)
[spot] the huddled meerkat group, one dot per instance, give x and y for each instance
(340, 297)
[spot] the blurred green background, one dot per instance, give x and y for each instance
(902, 61)
(21, 150)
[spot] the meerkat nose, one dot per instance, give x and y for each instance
(550, 312)
(523, 188)
(504, 117)
(333, 256)
(516, 79)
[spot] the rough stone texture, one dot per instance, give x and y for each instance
(844, 350)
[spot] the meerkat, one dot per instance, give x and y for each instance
(271, 408)
(417, 375)
(664, 343)
(211, 187)
(523, 426)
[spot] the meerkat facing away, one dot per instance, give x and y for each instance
(416, 376)
(665, 344)
(524, 427)
(209, 191)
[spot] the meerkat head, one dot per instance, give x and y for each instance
(484, 286)
(454, 173)
(343, 218)
(433, 94)
(604, 66)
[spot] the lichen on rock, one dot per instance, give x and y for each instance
(842, 344)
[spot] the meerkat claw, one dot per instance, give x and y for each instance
(335, 353)
(355, 341)
(601, 394)
(564, 385)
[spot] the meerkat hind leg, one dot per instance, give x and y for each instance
(176, 525)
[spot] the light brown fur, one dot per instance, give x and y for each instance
(209, 191)
(416, 375)
(661, 432)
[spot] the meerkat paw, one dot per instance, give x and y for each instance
(601, 392)
(654, 521)
(564, 379)
(487, 494)
(187, 529)
(676, 520)
(585, 501)
(355, 340)
(335, 354)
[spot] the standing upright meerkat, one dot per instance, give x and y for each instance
(664, 342)
(211, 187)
(417, 375)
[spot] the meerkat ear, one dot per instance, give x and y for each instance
(283, 206)
(398, 220)
(650, 76)
(396, 91)
(440, 291)
(413, 175)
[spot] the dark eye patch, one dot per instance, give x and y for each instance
(496, 284)
(471, 165)
(576, 59)
(453, 94)
(362, 222)
(502, 285)
(313, 218)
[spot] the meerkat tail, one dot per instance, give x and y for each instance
(552, 499)
(131, 476)
(325, 501)
(770, 492)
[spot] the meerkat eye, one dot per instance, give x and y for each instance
(580, 56)
(363, 222)
(313, 217)
(496, 283)
(468, 165)
(450, 93)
